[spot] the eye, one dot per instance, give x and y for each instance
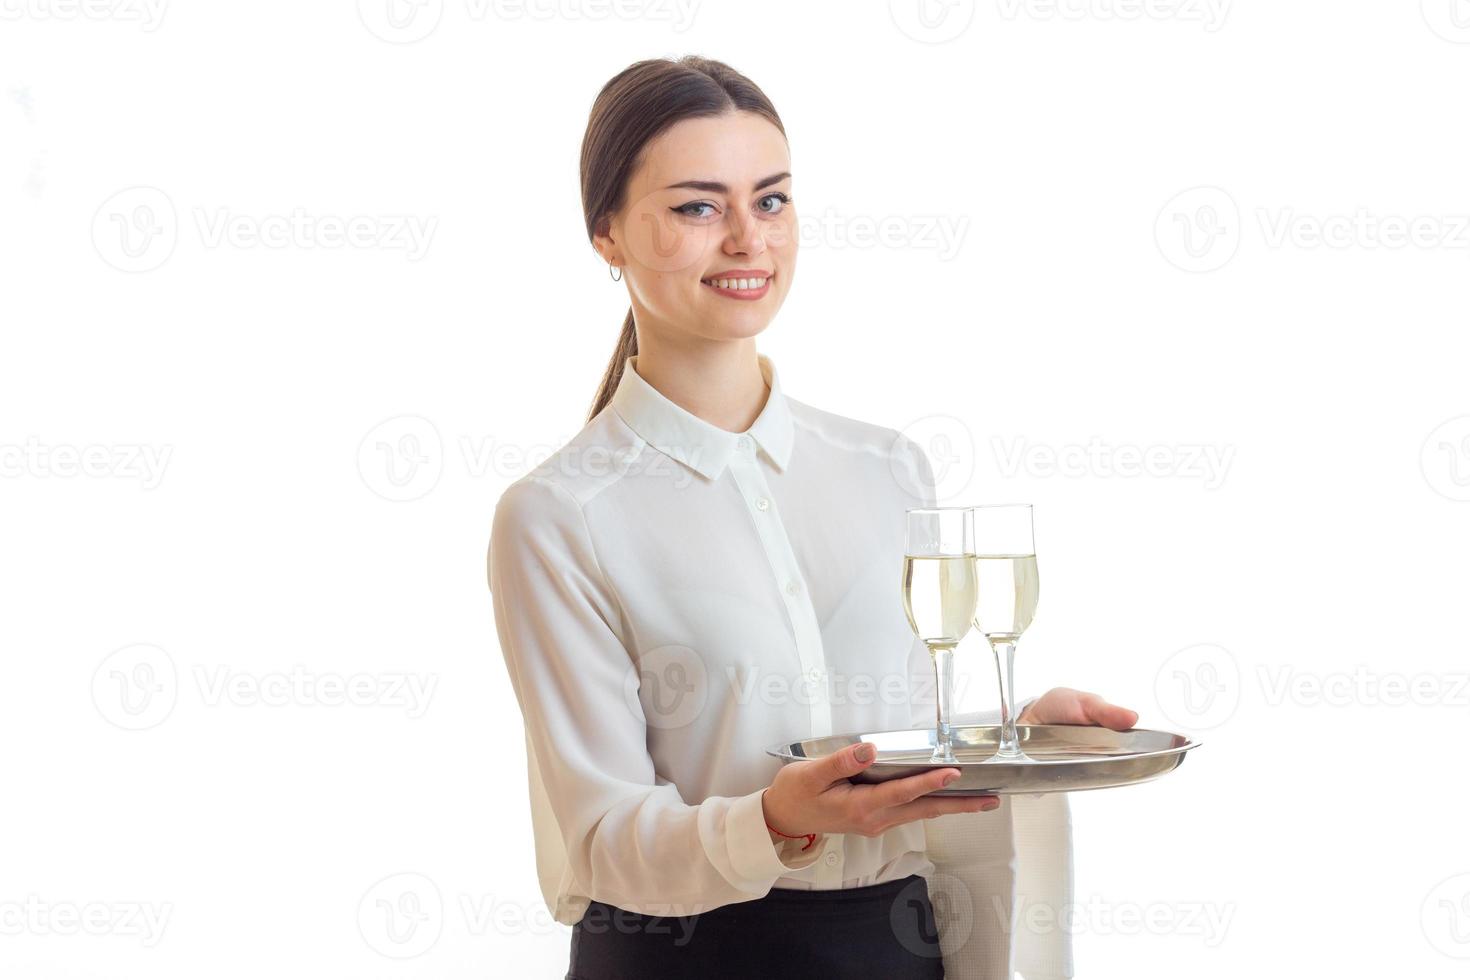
(784, 200)
(685, 209)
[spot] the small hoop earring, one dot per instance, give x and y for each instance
(615, 278)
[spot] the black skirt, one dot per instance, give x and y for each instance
(885, 930)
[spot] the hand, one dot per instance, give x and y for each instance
(1064, 706)
(816, 797)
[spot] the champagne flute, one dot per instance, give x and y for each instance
(1005, 563)
(939, 599)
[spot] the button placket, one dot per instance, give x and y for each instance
(830, 867)
(782, 561)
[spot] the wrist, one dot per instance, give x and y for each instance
(781, 834)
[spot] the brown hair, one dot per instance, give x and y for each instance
(635, 106)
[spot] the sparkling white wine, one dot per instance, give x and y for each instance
(939, 596)
(1009, 587)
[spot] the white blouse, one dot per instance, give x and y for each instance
(671, 600)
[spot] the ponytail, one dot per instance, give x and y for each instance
(627, 347)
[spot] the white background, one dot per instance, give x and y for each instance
(1186, 230)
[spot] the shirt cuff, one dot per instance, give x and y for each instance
(753, 854)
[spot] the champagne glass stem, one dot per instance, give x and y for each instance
(943, 657)
(1010, 744)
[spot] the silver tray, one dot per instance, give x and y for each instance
(1066, 758)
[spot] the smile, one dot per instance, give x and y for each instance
(739, 288)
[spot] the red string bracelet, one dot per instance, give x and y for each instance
(810, 838)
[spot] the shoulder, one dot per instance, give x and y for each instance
(586, 465)
(553, 495)
(903, 457)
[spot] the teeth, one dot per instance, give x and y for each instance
(737, 283)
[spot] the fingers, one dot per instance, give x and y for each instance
(844, 762)
(896, 792)
(938, 806)
(1100, 712)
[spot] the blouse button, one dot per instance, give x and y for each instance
(793, 588)
(744, 443)
(762, 503)
(831, 859)
(815, 674)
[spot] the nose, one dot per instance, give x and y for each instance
(746, 236)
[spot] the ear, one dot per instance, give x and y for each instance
(604, 243)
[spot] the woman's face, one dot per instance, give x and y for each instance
(731, 218)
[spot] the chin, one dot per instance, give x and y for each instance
(738, 328)
(717, 331)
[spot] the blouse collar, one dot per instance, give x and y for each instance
(689, 439)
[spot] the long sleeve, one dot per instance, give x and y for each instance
(629, 838)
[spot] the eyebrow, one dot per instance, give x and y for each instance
(719, 188)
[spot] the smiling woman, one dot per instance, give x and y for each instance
(700, 218)
(731, 584)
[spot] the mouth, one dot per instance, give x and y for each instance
(739, 288)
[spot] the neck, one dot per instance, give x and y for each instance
(718, 381)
